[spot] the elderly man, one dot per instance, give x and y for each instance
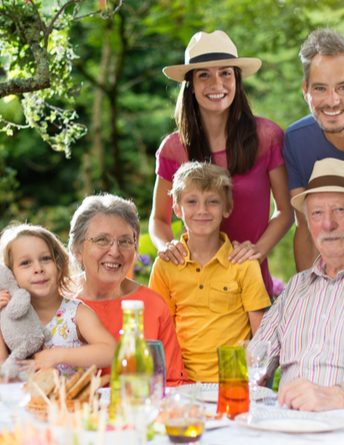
(306, 324)
(321, 134)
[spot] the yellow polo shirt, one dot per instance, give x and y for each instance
(209, 305)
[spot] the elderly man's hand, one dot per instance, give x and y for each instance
(303, 395)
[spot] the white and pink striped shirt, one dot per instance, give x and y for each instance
(306, 328)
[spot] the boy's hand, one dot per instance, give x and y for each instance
(4, 298)
(173, 251)
(244, 251)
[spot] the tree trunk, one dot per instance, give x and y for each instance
(96, 135)
(118, 65)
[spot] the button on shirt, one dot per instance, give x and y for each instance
(306, 328)
(209, 304)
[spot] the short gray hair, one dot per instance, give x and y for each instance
(106, 204)
(324, 41)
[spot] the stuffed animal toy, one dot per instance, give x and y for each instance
(19, 324)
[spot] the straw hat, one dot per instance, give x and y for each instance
(327, 176)
(208, 50)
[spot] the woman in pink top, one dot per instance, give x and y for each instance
(215, 124)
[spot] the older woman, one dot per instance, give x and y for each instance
(103, 239)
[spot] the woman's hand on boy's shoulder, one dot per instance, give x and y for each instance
(173, 251)
(244, 251)
(4, 298)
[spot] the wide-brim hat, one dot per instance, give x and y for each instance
(327, 176)
(209, 50)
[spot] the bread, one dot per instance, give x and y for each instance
(72, 380)
(80, 384)
(42, 381)
(70, 394)
(85, 394)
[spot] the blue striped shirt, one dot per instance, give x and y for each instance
(306, 328)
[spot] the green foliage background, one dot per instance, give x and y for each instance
(136, 101)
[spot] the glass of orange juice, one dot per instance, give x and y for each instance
(233, 396)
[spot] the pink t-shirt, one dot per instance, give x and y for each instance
(251, 190)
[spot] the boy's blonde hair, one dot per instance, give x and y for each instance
(204, 176)
(55, 246)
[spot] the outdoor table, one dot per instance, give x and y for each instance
(232, 433)
(239, 435)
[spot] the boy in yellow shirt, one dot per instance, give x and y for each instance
(213, 301)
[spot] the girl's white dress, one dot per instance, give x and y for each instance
(63, 331)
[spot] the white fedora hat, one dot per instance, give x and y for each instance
(327, 176)
(208, 50)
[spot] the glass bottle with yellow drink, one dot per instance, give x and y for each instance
(132, 359)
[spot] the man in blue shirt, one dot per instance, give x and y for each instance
(321, 134)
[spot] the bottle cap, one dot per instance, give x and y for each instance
(132, 304)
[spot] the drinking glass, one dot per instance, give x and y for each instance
(233, 396)
(184, 417)
(140, 399)
(159, 365)
(257, 356)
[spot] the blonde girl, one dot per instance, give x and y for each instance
(40, 265)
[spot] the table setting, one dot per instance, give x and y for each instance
(267, 422)
(240, 411)
(234, 410)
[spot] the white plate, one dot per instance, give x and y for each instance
(13, 394)
(289, 421)
(262, 393)
(214, 424)
(208, 392)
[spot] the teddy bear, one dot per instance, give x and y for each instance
(19, 324)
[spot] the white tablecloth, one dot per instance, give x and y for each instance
(235, 434)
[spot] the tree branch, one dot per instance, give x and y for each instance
(101, 12)
(93, 81)
(50, 27)
(29, 28)
(43, 27)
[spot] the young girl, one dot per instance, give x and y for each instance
(40, 265)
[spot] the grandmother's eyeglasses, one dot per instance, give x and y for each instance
(106, 241)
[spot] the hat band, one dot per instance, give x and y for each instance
(211, 56)
(325, 181)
